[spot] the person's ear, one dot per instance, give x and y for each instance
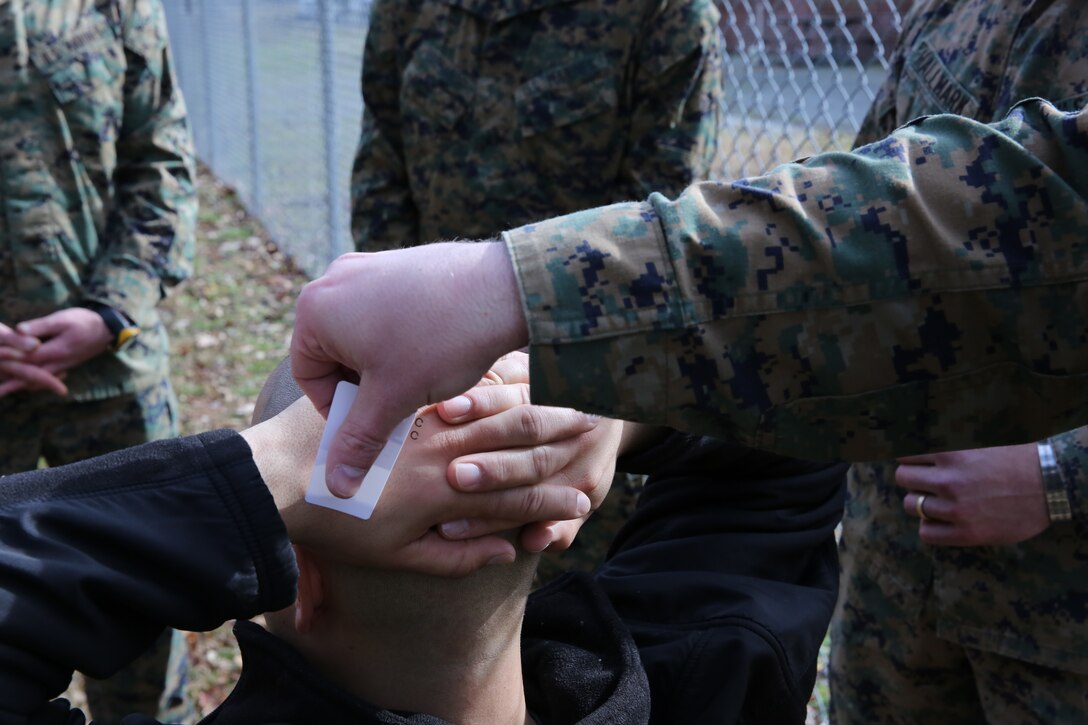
(311, 594)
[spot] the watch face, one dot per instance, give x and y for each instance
(125, 338)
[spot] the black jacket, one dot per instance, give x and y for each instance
(726, 576)
(724, 583)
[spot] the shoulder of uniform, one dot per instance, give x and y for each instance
(143, 24)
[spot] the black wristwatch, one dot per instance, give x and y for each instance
(124, 330)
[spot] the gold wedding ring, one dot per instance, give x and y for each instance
(918, 504)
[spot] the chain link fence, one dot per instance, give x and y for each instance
(273, 94)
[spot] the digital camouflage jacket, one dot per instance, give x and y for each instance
(928, 291)
(1028, 600)
(480, 116)
(96, 173)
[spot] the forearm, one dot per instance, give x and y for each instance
(857, 306)
(99, 556)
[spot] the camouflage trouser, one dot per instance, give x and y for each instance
(595, 537)
(35, 426)
(39, 425)
(889, 666)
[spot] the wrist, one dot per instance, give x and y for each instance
(504, 299)
(120, 330)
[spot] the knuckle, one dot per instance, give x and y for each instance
(941, 488)
(486, 400)
(497, 467)
(541, 462)
(355, 440)
(533, 502)
(531, 423)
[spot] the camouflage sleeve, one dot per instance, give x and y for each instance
(926, 292)
(383, 214)
(1071, 469)
(676, 102)
(151, 232)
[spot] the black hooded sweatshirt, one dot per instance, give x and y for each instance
(710, 608)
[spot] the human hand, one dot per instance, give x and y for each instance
(980, 497)
(16, 376)
(415, 325)
(15, 346)
(402, 533)
(505, 459)
(70, 337)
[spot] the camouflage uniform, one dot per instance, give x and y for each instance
(967, 634)
(925, 292)
(481, 115)
(96, 188)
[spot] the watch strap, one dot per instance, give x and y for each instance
(1057, 498)
(122, 330)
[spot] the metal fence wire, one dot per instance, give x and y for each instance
(273, 93)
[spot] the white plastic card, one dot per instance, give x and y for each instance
(362, 504)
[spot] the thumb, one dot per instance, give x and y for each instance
(358, 441)
(42, 327)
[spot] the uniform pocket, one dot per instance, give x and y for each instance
(86, 58)
(434, 90)
(566, 95)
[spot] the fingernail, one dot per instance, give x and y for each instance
(345, 480)
(454, 529)
(468, 475)
(29, 345)
(500, 559)
(583, 504)
(457, 407)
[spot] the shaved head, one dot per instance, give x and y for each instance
(279, 391)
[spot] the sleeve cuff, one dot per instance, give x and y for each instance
(575, 283)
(259, 525)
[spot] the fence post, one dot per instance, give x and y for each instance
(249, 39)
(336, 229)
(205, 39)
